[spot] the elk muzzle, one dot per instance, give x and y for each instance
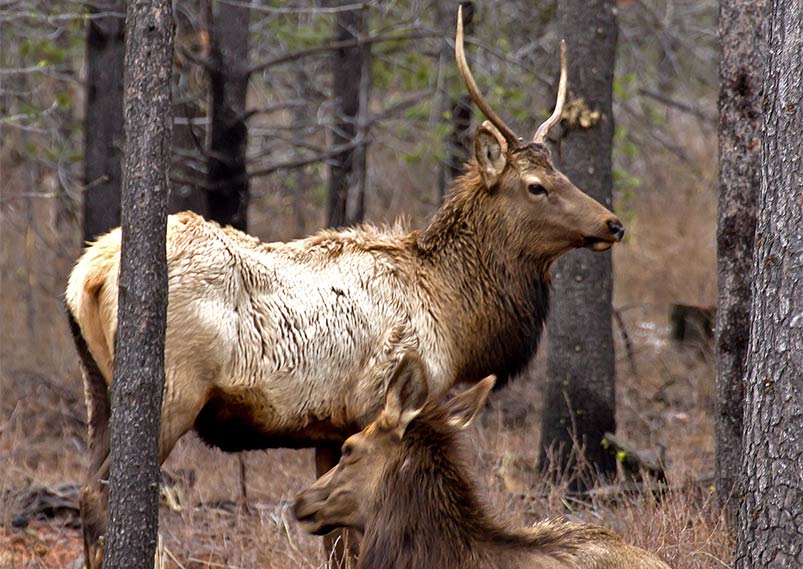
(306, 509)
(613, 233)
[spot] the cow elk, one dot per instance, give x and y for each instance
(292, 344)
(402, 482)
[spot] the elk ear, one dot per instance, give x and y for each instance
(490, 148)
(464, 407)
(407, 393)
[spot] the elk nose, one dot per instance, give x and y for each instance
(616, 228)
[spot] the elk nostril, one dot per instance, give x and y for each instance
(616, 228)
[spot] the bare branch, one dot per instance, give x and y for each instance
(345, 44)
(299, 9)
(679, 105)
(273, 107)
(290, 164)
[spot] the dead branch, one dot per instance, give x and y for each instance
(345, 44)
(679, 105)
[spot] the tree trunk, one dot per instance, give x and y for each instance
(458, 142)
(580, 397)
(349, 68)
(228, 132)
(139, 359)
(770, 523)
(103, 121)
(741, 69)
(186, 195)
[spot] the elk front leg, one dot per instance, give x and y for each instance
(342, 546)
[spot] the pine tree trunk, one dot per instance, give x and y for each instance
(103, 121)
(228, 138)
(348, 66)
(741, 71)
(139, 359)
(580, 392)
(770, 523)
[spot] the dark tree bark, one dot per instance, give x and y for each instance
(459, 140)
(770, 523)
(186, 195)
(103, 122)
(741, 70)
(580, 357)
(351, 77)
(139, 358)
(228, 132)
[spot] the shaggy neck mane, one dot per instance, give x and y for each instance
(498, 297)
(428, 513)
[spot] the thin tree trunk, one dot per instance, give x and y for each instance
(459, 138)
(743, 42)
(103, 121)
(359, 174)
(139, 358)
(348, 67)
(300, 117)
(186, 196)
(63, 206)
(580, 391)
(770, 523)
(228, 134)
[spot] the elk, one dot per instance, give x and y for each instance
(292, 344)
(402, 482)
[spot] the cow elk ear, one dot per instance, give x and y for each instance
(464, 407)
(407, 393)
(490, 148)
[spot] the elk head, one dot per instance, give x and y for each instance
(529, 193)
(350, 493)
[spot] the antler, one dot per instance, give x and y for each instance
(543, 130)
(473, 90)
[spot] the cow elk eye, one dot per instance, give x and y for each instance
(346, 451)
(537, 190)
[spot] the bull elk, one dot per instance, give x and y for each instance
(292, 344)
(402, 482)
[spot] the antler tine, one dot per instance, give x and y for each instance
(543, 130)
(471, 85)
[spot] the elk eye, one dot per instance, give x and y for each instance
(537, 190)
(346, 451)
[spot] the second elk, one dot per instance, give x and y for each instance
(402, 481)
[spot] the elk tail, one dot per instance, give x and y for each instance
(90, 331)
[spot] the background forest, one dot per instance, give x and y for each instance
(409, 127)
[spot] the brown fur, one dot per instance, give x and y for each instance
(402, 481)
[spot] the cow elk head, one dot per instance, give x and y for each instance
(352, 491)
(532, 195)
